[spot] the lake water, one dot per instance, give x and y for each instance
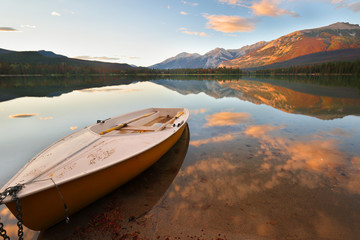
(263, 158)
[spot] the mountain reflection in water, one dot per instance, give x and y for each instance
(324, 102)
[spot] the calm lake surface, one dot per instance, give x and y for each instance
(262, 159)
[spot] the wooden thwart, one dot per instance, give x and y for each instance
(152, 128)
(118, 127)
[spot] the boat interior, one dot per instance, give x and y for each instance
(151, 121)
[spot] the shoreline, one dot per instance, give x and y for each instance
(174, 74)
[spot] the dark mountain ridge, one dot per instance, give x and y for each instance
(50, 58)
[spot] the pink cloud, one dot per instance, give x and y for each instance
(229, 24)
(270, 8)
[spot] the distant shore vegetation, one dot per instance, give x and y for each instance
(330, 68)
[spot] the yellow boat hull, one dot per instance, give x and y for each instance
(46, 208)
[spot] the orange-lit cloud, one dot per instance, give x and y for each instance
(232, 2)
(23, 115)
(183, 13)
(229, 24)
(226, 119)
(269, 8)
(73, 127)
(263, 7)
(222, 138)
(197, 111)
(186, 31)
(7, 29)
(259, 130)
(45, 118)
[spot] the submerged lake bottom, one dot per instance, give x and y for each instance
(260, 159)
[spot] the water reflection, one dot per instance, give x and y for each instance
(318, 101)
(262, 162)
(288, 188)
(313, 161)
(226, 118)
(10, 225)
(217, 139)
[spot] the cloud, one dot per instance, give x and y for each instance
(28, 26)
(7, 29)
(45, 118)
(97, 58)
(23, 115)
(353, 6)
(263, 7)
(184, 30)
(126, 57)
(229, 24)
(55, 14)
(269, 8)
(190, 3)
(183, 13)
(233, 2)
(226, 119)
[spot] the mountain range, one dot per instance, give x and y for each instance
(336, 42)
(209, 60)
(51, 58)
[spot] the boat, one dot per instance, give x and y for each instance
(90, 163)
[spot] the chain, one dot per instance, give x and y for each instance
(12, 191)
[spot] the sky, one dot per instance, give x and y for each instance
(146, 32)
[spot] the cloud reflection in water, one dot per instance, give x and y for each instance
(226, 119)
(295, 186)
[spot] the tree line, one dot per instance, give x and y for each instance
(68, 69)
(339, 68)
(330, 68)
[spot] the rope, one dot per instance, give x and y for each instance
(67, 219)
